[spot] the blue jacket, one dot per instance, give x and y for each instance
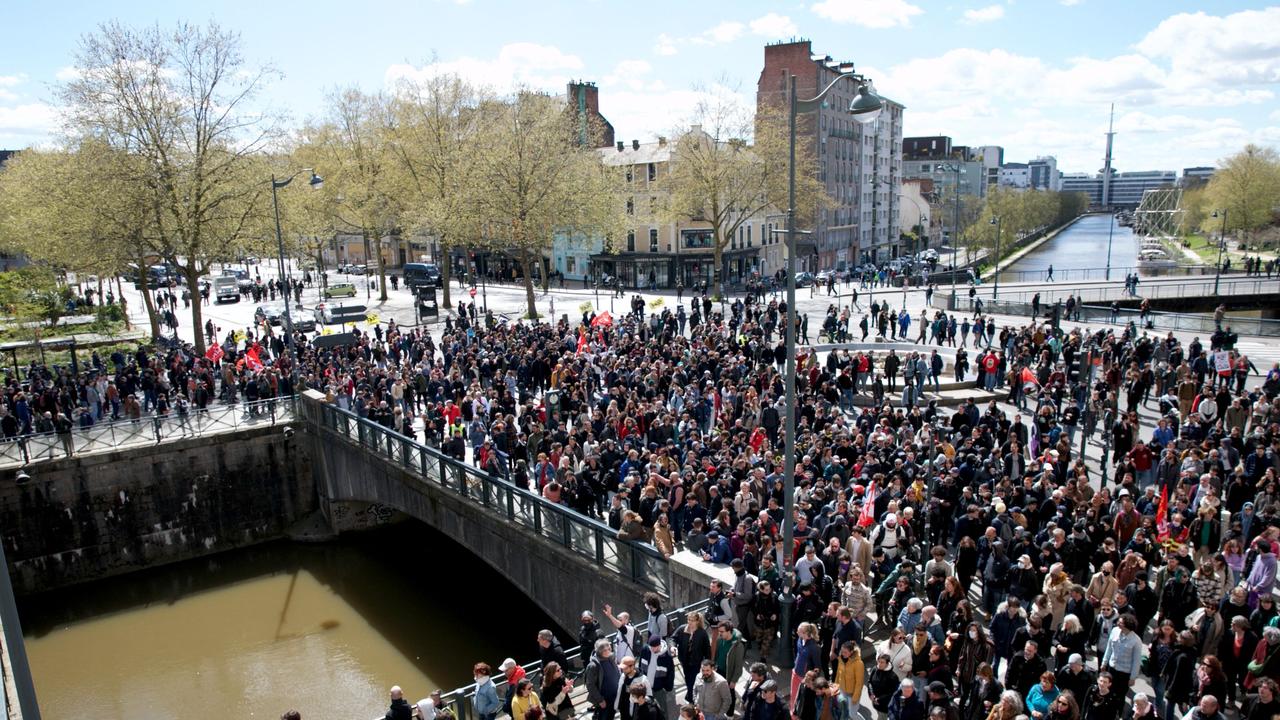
(486, 700)
(719, 551)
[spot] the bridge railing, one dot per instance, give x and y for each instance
(147, 430)
(1101, 273)
(1049, 292)
(460, 698)
(591, 539)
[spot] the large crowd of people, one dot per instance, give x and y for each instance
(1002, 574)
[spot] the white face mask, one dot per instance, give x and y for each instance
(479, 679)
(973, 634)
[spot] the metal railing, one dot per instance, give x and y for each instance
(1189, 322)
(147, 430)
(1156, 290)
(1101, 273)
(460, 698)
(592, 540)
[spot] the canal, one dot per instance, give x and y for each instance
(1079, 253)
(324, 628)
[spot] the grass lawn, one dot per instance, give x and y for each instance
(1206, 249)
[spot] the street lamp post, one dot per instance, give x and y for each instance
(864, 108)
(955, 225)
(995, 290)
(1222, 245)
(1110, 233)
(316, 183)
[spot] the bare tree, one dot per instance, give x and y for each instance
(183, 101)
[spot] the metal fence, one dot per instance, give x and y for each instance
(148, 430)
(1156, 290)
(1186, 322)
(460, 698)
(591, 539)
(1115, 273)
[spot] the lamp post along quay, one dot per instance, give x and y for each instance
(957, 168)
(1222, 245)
(865, 107)
(995, 290)
(316, 182)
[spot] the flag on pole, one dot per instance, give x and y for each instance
(251, 359)
(214, 352)
(582, 341)
(868, 515)
(1162, 516)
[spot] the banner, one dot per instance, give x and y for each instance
(868, 515)
(1222, 363)
(251, 359)
(214, 352)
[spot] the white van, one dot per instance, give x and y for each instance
(226, 288)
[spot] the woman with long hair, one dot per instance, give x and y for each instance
(808, 655)
(556, 687)
(984, 694)
(1009, 707)
(1064, 707)
(899, 652)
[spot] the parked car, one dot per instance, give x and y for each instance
(418, 275)
(344, 289)
(804, 279)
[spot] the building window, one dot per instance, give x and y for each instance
(748, 236)
(570, 266)
(631, 206)
(631, 241)
(653, 172)
(653, 240)
(696, 239)
(628, 173)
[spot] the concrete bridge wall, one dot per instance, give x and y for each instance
(88, 517)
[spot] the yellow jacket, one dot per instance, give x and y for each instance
(850, 675)
(519, 705)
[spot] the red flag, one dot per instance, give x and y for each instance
(1162, 516)
(214, 352)
(251, 359)
(868, 515)
(582, 341)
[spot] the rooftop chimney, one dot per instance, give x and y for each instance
(621, 145)
(662, 141)
(635, 144)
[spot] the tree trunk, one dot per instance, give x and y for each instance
(148, 301)
(717, 256)
(197, 311)
(128, 324)
(545, 265)
(526, 262)
(382, 270)
(446, 273)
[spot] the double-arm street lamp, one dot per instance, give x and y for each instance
(1222, 244)
(286, 289)
(956, 168)
(865, 107)
(995, 291)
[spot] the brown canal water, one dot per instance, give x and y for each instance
(325, 628)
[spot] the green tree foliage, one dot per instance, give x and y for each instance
(1247, 186)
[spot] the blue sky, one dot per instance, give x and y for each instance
(1192, 81)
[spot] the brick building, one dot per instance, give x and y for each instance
(860, 165)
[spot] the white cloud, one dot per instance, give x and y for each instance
(1275, 115)
(541, 67)
(774, 26)
(987, 14)
(868, 13)
(725, 32)
(631, 74)
(644, 115)
(23, 125)
(665, 45)
(1205, 50)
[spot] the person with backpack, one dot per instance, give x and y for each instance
(626, 638)
(742, 596)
